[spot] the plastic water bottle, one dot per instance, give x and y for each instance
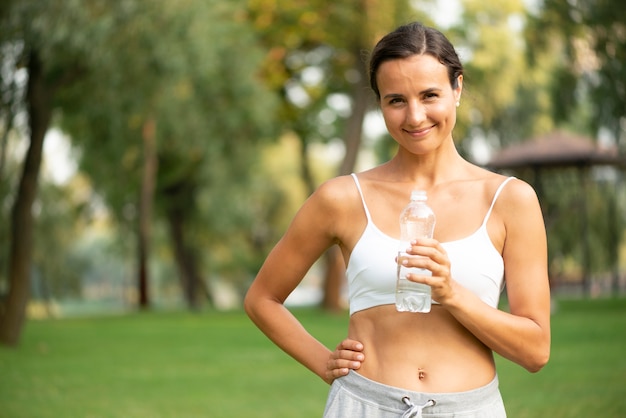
(416, 221)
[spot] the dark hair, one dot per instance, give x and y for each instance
(415, 39)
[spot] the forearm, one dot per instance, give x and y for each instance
(522, 339)
(282, 328)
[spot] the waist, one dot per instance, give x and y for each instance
(429, 352)
(486, 396)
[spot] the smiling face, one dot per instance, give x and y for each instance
(417, 101)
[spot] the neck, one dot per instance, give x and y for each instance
(428, 170)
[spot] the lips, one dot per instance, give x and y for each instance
(419, 132)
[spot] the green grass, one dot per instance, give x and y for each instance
(220, 365)
(586, 374)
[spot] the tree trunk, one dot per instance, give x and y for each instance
(354, 131)
(190, 280)
(305, 167)
(9, 116)
(146, 199)
(38, 98)
(335, 267)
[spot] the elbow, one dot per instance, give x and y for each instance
(251, 302)
(536, 366)
(538, 361)
(248, 305)
(254, 304)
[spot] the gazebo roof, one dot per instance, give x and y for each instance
(557, 149)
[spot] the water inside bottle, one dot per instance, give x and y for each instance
(411, 296)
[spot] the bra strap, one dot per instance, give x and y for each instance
(495, 197)
(358, 186)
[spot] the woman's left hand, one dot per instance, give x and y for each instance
(430, 255)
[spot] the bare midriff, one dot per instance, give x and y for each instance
(423, 352)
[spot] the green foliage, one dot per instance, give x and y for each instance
(578, 47)
(502, 99)
(589, 38)
(316, 58)
(579, 206)
(58, 272)
(162, 62)
(190, 66)
(220, 365)
(221, 79)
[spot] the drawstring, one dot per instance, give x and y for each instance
(415, 410)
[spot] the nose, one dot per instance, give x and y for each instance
(415, 113)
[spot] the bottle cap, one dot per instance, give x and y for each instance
(418, 195)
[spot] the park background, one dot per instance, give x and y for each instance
(152, 152)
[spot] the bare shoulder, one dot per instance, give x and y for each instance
(334, 203)
(518, 207)
(336, 193)
(517, 193)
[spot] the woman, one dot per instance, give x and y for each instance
(489, 227)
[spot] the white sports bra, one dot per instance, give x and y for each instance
(371, 271)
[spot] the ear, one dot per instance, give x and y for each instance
(459, 88)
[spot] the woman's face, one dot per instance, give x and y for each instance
(417, 102)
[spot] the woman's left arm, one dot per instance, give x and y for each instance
(523, 334)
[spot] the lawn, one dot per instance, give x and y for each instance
(218, 365)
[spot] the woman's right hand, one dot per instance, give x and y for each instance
(347, 356)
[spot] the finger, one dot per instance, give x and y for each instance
(345, 359)
(351, 345)
(424, 242)
(335, 373)
(425, 250)
(340, 368)
(349, 355)
(345, 364)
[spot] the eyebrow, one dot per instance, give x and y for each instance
(392, 96)
(396, 95)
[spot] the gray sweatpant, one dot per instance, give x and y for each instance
(356, 396)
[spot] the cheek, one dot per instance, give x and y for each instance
(389, 125)
(441, 111)
(392, 117)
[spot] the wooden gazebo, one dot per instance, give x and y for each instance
(559, 150)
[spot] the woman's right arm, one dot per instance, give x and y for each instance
(313, 230)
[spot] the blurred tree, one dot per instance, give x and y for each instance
(12, 87)
(589, 39)
(61, 217)
(587, 42)
(199, 107)
(34, 38)
(503, 101)
(137, 79)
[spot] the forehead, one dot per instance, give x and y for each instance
(416, 71)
